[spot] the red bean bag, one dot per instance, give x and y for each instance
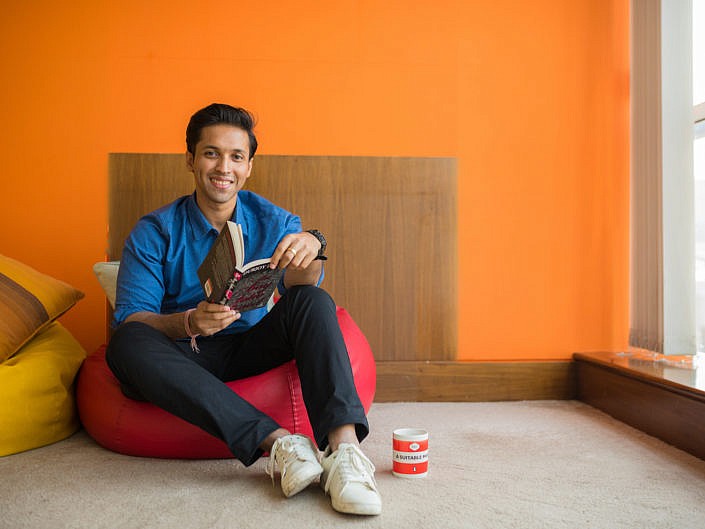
(142, 429)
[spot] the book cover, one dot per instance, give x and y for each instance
(225, 278)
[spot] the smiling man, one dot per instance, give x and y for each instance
(160, 309)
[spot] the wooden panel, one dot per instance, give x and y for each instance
(474, 381)
(668, 411)
(390, 222)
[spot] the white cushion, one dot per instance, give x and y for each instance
(107, 273)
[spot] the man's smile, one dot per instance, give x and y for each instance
(221, 182)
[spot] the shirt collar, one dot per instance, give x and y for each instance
(200, 225)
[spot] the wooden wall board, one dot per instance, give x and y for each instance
(390, 223)
(474, 381)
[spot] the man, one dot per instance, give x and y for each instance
(160, 313)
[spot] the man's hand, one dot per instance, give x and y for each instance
(210, 318)
(207, 319)
(296, 251)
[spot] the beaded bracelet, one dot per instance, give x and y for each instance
(194, 345)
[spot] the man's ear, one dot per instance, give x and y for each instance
(189, 161)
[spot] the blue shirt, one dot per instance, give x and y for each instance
(166, 247)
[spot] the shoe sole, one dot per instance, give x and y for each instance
(295, 487)
(369, 509)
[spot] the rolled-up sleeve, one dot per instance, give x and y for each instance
(140, 284)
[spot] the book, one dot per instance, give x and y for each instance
(226, 278)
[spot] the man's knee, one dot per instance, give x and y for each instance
(126, 333)
(126, 341)
(309, 294)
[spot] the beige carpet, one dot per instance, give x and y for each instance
(492, 465)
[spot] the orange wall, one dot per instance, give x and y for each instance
(531, 97)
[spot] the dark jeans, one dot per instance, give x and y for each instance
(302, 325)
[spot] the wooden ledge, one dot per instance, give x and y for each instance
(657, 398)
(677, 374)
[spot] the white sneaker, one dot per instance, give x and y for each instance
(297, 459)
(348, 476)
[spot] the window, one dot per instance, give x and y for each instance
(663, 196)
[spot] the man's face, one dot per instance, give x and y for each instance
(220, 165)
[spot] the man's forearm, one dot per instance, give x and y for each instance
(308, 276)
(170, 324)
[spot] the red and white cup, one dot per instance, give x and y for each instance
(410, 453)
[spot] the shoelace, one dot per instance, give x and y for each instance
(291, 449)
(351, 465)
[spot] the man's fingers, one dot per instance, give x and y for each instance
(217, 321)
(213, 317)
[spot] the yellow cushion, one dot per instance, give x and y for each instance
(29, 301)
(37, 403)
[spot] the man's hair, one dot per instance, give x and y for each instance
(215, 114)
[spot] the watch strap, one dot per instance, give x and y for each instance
(318, 235)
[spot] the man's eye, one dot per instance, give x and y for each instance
(209, 154)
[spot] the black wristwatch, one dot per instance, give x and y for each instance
(318, 235)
